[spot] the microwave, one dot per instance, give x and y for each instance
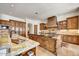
(4, 26)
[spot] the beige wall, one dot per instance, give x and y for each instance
(33, 22)
(8, 17)
(69, 14)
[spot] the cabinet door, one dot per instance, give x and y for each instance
(65, 38)
(52, 21)
(72, 22)
(71, 39)
(52, 45)
(12, 25)
(24, 29)
(42, 26)
(43, 41)
(17, 29)
(21, 29)
(35, 29)
(62, 24)
(47, 45)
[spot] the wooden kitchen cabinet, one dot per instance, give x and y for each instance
(70, 23)
(22, 28)
(19, 27)
(45, 42)
(73, 22)
(42, 26)
(35, 29)
(12, 25)
(52, 44)
(62, 24)
(71, 39)
(52, 22)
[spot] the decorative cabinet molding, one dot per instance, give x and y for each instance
(73, 22)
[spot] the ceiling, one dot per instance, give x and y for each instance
(36, 10)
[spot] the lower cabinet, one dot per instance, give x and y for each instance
(52, 46)
(71, 39)
(45, 42)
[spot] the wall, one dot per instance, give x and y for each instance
(8, 17)
(66, 15)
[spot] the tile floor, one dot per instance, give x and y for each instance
(43, 52)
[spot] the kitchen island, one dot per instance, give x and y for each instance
(25, 48)
(46, 42)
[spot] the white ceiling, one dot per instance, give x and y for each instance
(23, 10)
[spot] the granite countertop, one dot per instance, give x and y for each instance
(68, 32)
(24, 46)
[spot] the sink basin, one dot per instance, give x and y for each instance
(18, 41)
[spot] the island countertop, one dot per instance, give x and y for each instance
(24, 46)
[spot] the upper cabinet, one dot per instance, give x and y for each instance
(72, 22)
(52, 22)
(42, 26)
(17, 26)
(62, 24)
(69, 23)
(24, 29)
(12, 25)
